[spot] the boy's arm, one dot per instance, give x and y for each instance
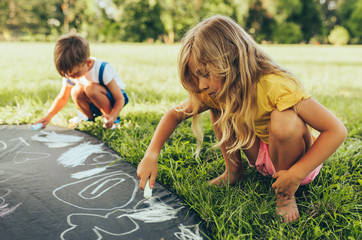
(332, 134)
(147, 168)
(58, 104)
(119, 102)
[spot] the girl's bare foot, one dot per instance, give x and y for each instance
(226, 178)
(287, 208)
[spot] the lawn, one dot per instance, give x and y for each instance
(330, 206)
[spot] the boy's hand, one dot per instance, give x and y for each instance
(44, 120)
(286, 183)
(108, 120)
(147, 168)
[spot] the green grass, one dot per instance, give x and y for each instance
(330, 206)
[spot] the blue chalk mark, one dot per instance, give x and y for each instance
(36, 127)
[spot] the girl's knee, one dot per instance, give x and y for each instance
(285, 125)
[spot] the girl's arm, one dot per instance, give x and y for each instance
(119, 102)
(332, 134)
(147, 168)
(58, 104)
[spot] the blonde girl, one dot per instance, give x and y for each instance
(256, 106)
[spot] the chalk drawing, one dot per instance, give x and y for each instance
(102, 156)
(4, 146)
(120, 222)
(187, 232)
(95, 190)
(90, 193)
(5, 209)
(108, 225)
(22, 157)
(7, 179)
(76, 156)
(88, 173)
(153, 210)
(55, 140)
(21, 140)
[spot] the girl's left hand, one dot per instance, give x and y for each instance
(286, 183)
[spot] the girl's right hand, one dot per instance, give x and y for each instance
(147, 168)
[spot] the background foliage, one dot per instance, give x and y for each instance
(280, 21)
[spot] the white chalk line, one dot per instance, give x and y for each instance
(156, 212)
(55, 140)
(78, 155)
(88, 173)
(107, 177)
(4, 209)
(22, 157)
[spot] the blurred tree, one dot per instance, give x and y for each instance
(141, 20)
(177, 16)
(259, 22)
(104, 21)
(329, 17)
(73, 14)
(22, 18)
(273, 20)
(6, 13)
(240, 10)
(208, 8)
(93, 21)
(309, 18)
(350, 13)
(287, 32)
(338, 36)
(281, 10)
(329, 12)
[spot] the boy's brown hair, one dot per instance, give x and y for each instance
(70, 51)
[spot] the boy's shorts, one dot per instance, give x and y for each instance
(265, 166)
(96, 112)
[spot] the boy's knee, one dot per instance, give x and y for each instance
(77, 93)
(285, 125)
(91, 89)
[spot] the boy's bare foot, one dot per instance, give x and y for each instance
(226, 178)
(287, 208)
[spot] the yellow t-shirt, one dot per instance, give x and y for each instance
(273, 92)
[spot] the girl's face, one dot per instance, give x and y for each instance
(203, 79)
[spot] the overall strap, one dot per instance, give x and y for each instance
(100, 76)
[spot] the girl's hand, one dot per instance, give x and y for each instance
(286, 183)
(147, 168)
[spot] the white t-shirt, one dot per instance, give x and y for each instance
(109, 74)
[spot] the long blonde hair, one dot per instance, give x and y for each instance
(227, 51)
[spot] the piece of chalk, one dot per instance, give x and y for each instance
(147, 193)
(36, 127)
(106, 121)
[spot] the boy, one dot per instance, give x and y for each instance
(94, 85)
